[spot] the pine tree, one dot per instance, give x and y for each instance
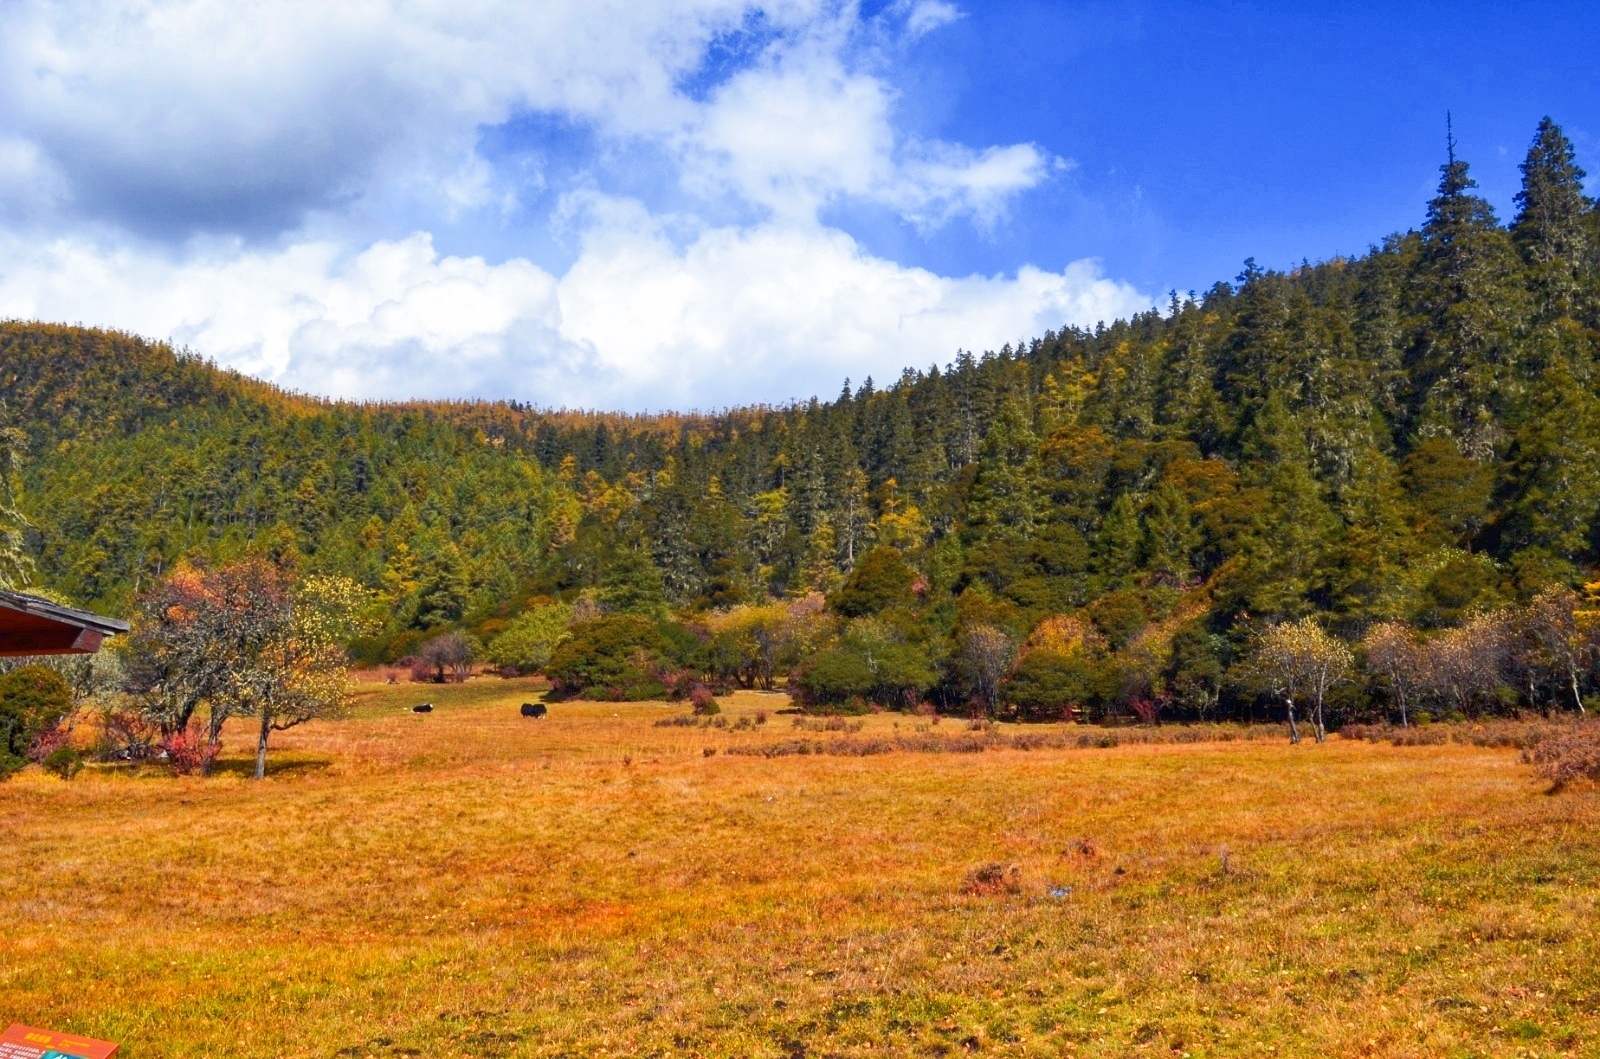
(1004, 501)
(1371, 562)
(1551, 229)
(444, 587)
(853, 515)
(1282, 558)
(1171, 536)
(1468, 289)
(632, 585)
(1554, 474)
(1188, 406)
(1120, 543)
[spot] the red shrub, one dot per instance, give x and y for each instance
(703, 700)
(1147, 710)
(678, 682)
(46, 743)
(189, 753)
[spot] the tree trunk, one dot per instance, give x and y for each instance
(261, 745)
(1401, 697)
(1576, 696)
(1322, 732)
(1294, 729)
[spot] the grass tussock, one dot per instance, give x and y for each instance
(473, 883)
(1568, 755)
(1500, 732)
(988, 736)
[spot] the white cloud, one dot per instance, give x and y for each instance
(802, 129)
(765, 313)
(176, 116)
(783, 311)
(794, 133)
(258, 180)
(943, 180)
(219, 115)
(925, 16)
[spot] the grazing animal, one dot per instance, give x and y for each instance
(426, 707)
(534, 709)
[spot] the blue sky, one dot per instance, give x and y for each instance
(1206, 133)
(694, 203)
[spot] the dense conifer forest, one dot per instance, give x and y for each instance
(1410, 436)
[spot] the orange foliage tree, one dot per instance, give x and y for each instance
(244, 639)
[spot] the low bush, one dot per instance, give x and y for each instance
(617, 658)
(1573, 754)
(126, 735)
(189, 753)
(527, 642)
(1048, 685)
(63, 761)
(34, 701)
(46, 743)
(869, 667)
(1513, 734)
(703, 701)
(990, 737)
(993, 878)
(831, 724)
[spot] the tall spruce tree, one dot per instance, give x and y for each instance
(1551, 228)
(1468, 291)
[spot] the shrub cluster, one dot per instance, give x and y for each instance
(34, 702)
(1573, 754)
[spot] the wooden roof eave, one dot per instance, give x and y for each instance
(33, 626)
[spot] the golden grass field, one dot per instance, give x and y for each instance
(471, 883)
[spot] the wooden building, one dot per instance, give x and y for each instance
(33, 626)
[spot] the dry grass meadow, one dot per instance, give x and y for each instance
(471, 883)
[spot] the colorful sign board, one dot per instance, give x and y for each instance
(28, 1042)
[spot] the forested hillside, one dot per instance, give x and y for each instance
(1413, 434)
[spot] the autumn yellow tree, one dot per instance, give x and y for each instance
(1391, 652)
(1559, 637)
(244, 640)
(302, 672)
(1301, 659)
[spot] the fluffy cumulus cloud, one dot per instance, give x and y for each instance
(764, 313)
(259, 181)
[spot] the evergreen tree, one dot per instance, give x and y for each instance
(444, 587)
(1553, 475)
(1551, 229)
(1120, 542)
(632, 585)
(1467, 288)
(1282, 555)
(1171, 536)
(1371, 562)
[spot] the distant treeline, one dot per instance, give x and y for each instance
(1412, 435)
